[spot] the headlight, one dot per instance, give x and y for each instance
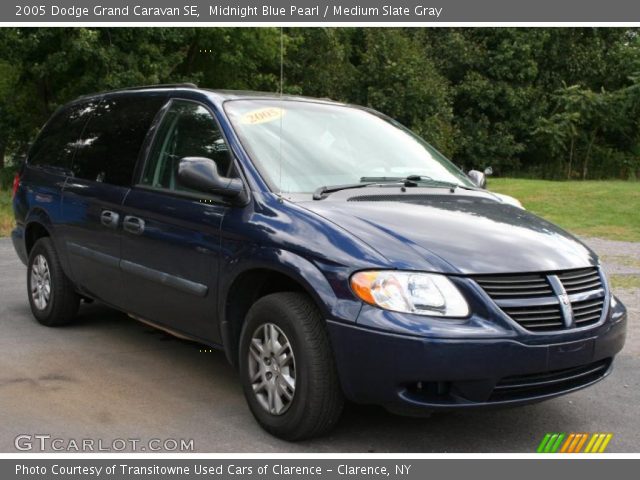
(509, 200)
(408, 292)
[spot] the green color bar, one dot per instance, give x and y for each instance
(556, 446)
(550, 443)
(543, 443)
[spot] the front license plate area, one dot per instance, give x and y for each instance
(571, 354)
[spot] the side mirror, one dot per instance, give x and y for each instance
(478, 178)
(200, 173)
(488, 171)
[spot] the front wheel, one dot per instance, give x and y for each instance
(287, 367)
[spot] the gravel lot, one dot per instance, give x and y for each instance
(110, 377)
(623, 259)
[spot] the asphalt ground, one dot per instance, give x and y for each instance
(108, 377)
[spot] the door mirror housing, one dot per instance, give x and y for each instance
(201, 174)
(488, 171)
(478, 178)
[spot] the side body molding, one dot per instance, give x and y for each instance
(179, 283)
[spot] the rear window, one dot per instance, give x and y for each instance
(56, 144)
(111, 141)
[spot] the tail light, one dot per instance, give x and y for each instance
(16, 184)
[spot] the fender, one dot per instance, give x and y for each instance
(38, 215)
(299, 269)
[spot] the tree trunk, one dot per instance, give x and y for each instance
(570, 157)
(585, 164)
(3, 149)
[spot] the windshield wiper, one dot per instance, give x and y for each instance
(382, 179)
(322, 192)
(412, 181)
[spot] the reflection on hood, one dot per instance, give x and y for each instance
(467, 233)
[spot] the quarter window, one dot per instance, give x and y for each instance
(57, 143)
(111, 141)
(187, 130)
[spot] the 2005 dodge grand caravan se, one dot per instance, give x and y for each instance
(329, 251)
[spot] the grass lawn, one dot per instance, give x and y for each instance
(604, 209)
(6, 213)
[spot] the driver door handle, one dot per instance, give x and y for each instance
(109, 218)
(133, 225)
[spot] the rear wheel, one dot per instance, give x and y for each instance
(52, 297)
(287, 367)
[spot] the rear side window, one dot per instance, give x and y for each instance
(57, 142)
(111, 141)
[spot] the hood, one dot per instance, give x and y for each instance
(467, 232)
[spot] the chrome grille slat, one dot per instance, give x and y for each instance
(590, 284)
(588, 311)
(510, 280)
(582, 279)
(533, 303)
(534, 312)
(520, 294)
(553, 325)
(512, 286)
(583, 286)
(538, 319)
(516, 287)
(588, 304)
(570, 275)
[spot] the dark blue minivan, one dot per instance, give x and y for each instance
(330, 252)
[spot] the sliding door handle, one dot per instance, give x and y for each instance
(109, 218)
(133, 225)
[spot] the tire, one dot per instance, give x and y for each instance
(316, 402)
(61, 305)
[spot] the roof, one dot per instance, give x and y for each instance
(221, 95)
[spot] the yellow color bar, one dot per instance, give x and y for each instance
(596, 446)
(594, 437)
(606, 441)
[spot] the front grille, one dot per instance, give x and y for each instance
(539, 318)
(534, 300)
(588, 311)
(577, 281)
(545, 383)
(511, 286)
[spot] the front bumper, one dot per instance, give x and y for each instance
(412, 374)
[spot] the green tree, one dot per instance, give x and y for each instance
(396, 77)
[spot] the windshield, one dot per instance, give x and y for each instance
(301, 146)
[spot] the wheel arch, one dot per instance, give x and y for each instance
(36, 225)
(257, 279)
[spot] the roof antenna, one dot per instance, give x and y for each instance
(281, 88)
(281, 59)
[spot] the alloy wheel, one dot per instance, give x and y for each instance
(272, 369)
(40, 282)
